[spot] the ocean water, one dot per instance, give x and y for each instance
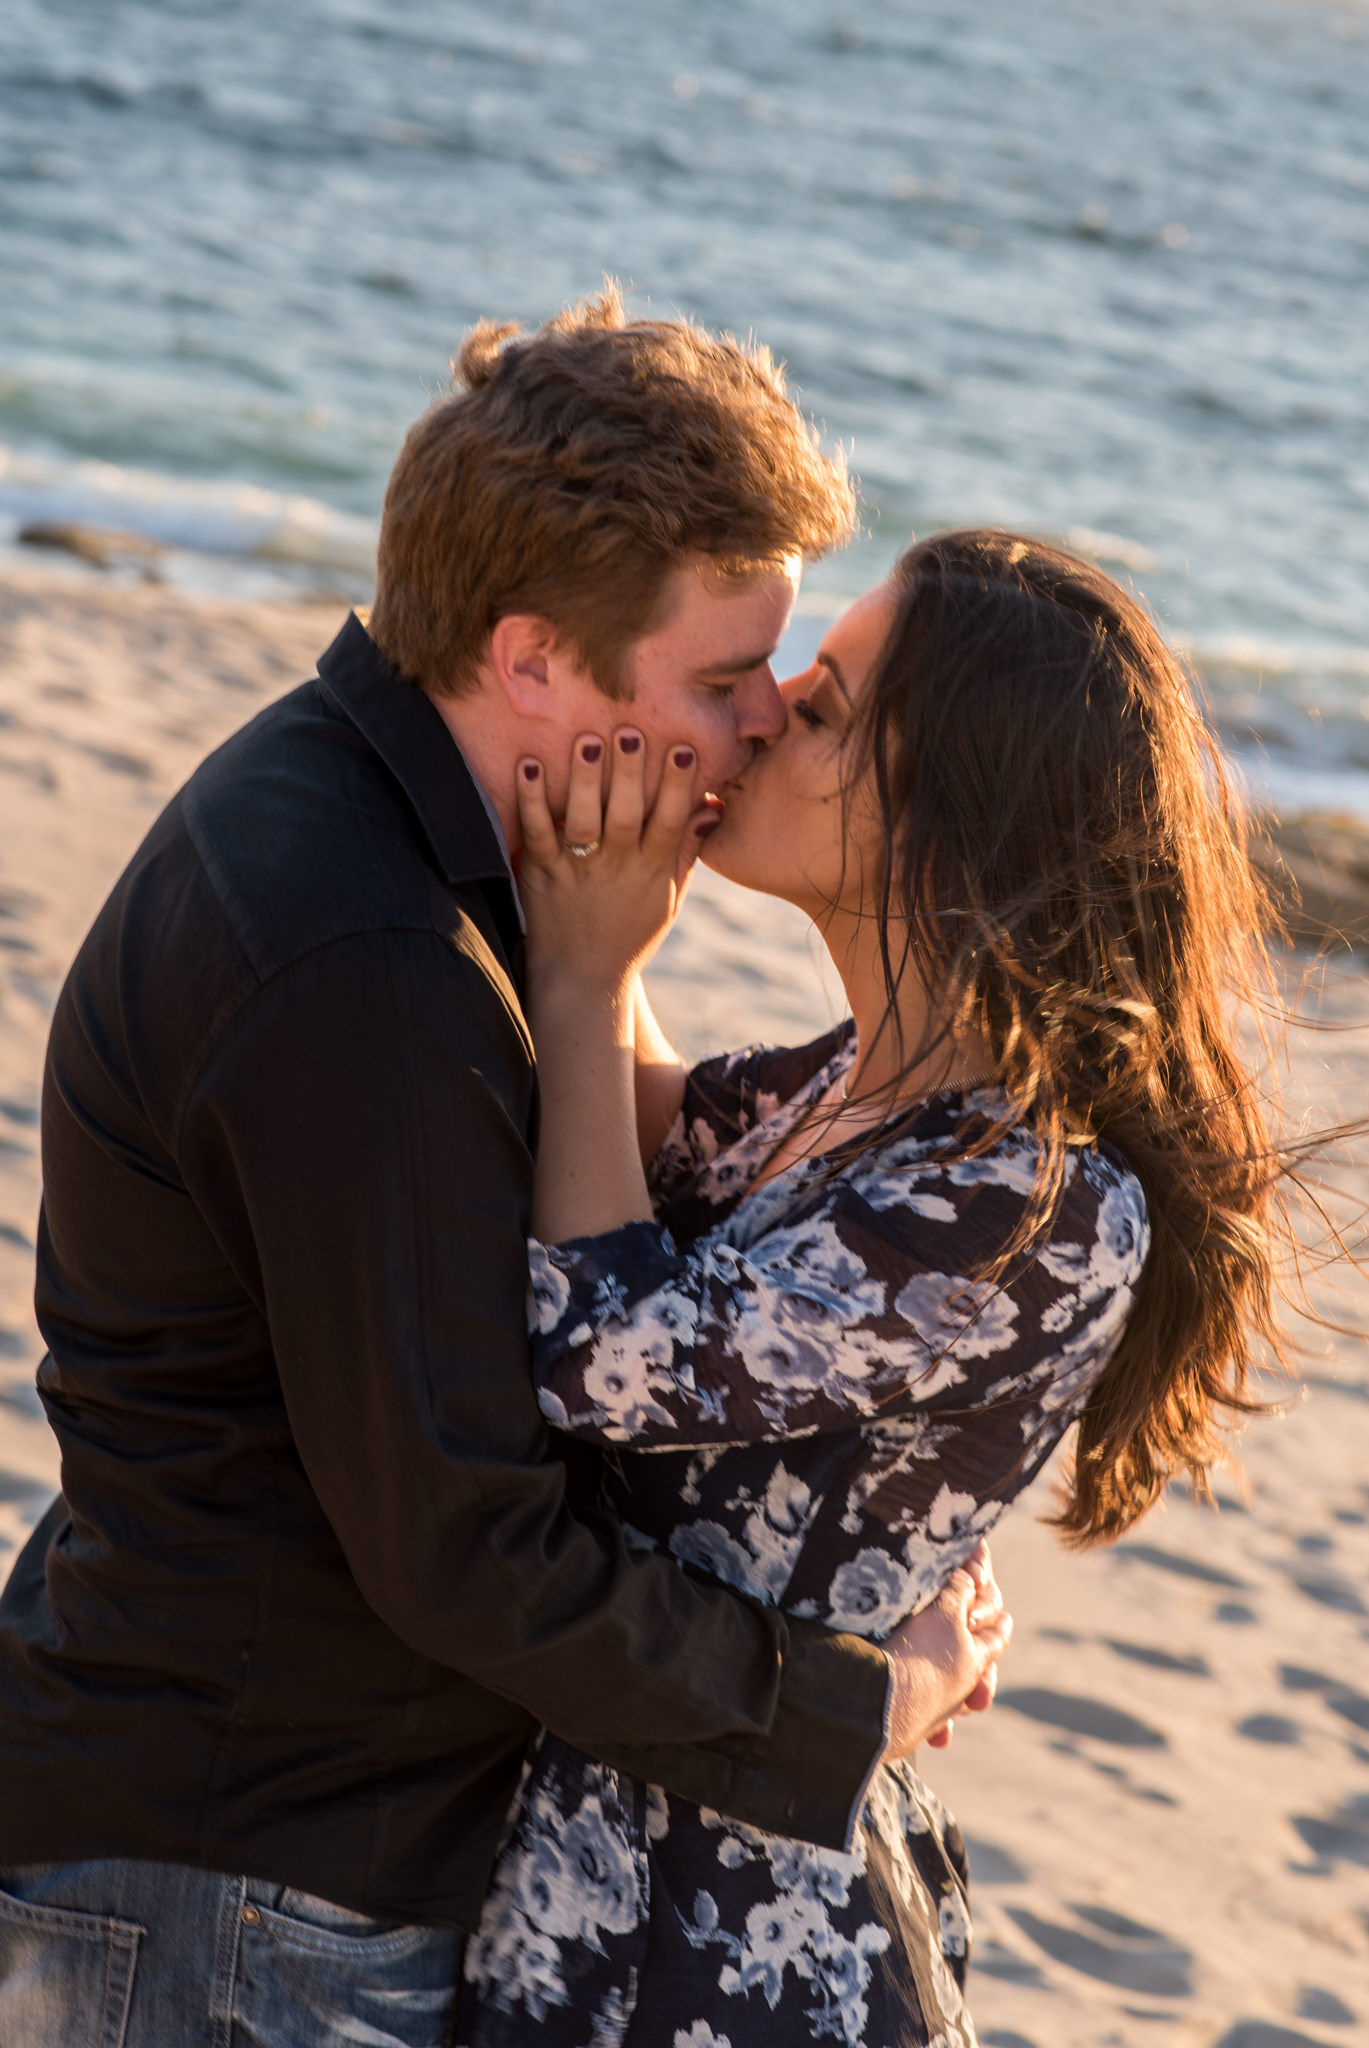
(1101, 272)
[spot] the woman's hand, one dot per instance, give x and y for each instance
(595, 915)
(944, 1660)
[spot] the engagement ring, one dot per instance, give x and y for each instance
(583, 850)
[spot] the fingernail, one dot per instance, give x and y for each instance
(590, 752)
(629, 742)
(531, 771)
(684, 757)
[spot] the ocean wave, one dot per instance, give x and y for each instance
(208, 517)
(1251, 657)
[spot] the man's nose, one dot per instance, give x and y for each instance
(760, 708)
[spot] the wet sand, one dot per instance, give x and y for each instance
(1168, 1813)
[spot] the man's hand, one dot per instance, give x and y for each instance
(944, 1661)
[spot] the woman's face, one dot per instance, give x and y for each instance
(783, 829)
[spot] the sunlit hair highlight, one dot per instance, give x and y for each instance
(1068, 875)
(569, 471)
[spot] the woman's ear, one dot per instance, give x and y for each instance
(528, 661)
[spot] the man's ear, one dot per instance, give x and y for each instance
(529, 660)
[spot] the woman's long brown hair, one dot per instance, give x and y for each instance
(1068, 874)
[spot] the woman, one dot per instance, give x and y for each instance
(876, 1278)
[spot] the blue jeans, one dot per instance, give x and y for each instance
(154, 1955)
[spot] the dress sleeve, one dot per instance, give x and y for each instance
(859, 1303)
(725, 1097)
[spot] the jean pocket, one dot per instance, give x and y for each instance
(307, 1922)
(311, 1971)
(66, 1978)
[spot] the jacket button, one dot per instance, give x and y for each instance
(251, 1917)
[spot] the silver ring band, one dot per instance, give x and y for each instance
(583, 849)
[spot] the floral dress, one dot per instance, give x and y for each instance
(802, 1393)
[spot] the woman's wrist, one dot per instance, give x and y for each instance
(567, 989)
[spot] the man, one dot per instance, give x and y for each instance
(269, 1664)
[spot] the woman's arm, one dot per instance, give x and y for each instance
(593, 921)
(659, 1075)
(846, 1305)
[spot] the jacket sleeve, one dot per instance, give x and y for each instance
(356, 1140)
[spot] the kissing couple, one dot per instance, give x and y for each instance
(523, 1500)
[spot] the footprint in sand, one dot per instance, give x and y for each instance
(1330, 1591)
(1351, 1706)
(17, 904)
(21, 1398)
(1341, 1837)
(38, 774)
(1297, 1678)
(1112, 1950)
(1160, 1660)
(1260, 2034)
(117, 760)
(989, 1864)
(1342, 1699)
(30, 1496)
(1315, 2004)
(1004, 1965)
(1176, 1562)
(1269, 1728)
(1080, 1716)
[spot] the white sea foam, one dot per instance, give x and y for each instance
(1113, 550)
(201, 516)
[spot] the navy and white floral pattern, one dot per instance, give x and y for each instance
(810, 1394)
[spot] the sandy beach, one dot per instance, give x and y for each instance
(1168, 1812)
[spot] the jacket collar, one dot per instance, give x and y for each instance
(407, 731)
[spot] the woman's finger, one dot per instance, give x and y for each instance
(626, 804)
(674, 805)
(584, 800)
(988, 1602)
(985, 1610)
(540, 844)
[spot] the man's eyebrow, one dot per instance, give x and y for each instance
(826, 661)
(738, 668)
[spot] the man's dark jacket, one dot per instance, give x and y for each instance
(314, 1574)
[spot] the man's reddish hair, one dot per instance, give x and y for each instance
(569, 471)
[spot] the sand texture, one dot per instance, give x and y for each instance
(1168, 1813)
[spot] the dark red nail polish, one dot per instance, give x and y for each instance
(591, 751)
(629, 741)
(531, 771)
(684, 757)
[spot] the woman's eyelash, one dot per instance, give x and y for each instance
(804, 711)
